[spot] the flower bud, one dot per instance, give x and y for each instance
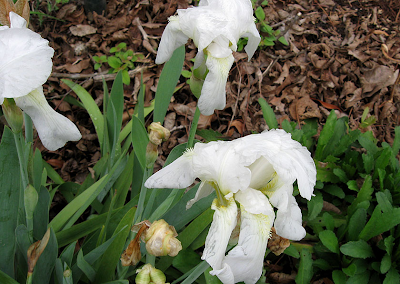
(143, 274)
(148, 274)
(30, 200)
(161, 239)
(13, 115)
(157, 134)
(157, 276)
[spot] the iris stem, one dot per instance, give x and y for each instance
(28, 128)
(193, 128)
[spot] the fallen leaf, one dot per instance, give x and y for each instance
(82, 30)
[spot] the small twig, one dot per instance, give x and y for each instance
(146, 43)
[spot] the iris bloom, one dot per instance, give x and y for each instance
(25, 64)
(215, 27)
(253, 173)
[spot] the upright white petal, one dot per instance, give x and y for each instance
(205, 189)
(254, 202)
(253, 41)
(224, 221)
(213, 91)
(245, 261)
(16, 21)
(219, 162)
(53, 128)
(25, 61)
(288, 223)
(171, 39)
(178, 174)
(289, 158)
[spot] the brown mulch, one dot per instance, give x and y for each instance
(342, 55)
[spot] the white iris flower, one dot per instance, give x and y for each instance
(255, 171)
(25, 65)
(215, 27)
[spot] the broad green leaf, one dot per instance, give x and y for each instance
(210, 135)
(292, 251)
(45, 265)
(329, 221)
(392, 277)
(357, 249)
(384, 202)
(124, 182)
(85, 198)
(68, 253)
(389, 243)
(329, 240)
(365, 194)
(341, 174)
(356, 224)
(315, 206)
(114, 62)
(386, 263)
(368, 162)
(9, 199)
(325, 135)
(41, 215)
(367, 143)
(167, 83)
(396, 142)
(115, 111)
(339, 277)
(268, 113)
(380, 222)
(211, 279)
(260, 15)
(194, 273)
(305, 272)
(334, 190)
(90, 106)
(359, 278)
(86, 268)
(186, 260)
(5, 279)
(111, 257)
(140, 139)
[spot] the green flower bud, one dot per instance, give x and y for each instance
(30, 200)
(157, 276)
(13, 115)
(148, 274)
(143, 274)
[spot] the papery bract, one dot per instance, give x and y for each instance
(256, 171)
(215, 27)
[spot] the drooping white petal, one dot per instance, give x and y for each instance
(25, 62)
(199, 60)
(16, 21)
(245, 261)
(205, 189)
(224, 221)
(53, 128)
(219, 162)
(253, 41)
(171, 39)
(213, 92)
(254, 202)
(178, 174)
(288, 223)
